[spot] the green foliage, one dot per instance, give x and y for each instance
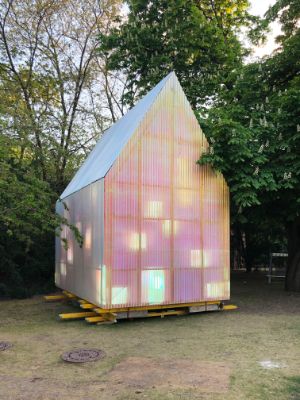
(287, 12)
(28, 223)
(254, 134)
(198, 40)
(49, 118)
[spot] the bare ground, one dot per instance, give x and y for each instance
(204, 356)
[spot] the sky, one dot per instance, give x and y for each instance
(259, 7)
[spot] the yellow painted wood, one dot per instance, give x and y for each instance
(164, 313)
(78, 315)
(229, 307)
(55, 297)
(154, 307)
(95, 319)
(87, 306)
(69, 295)
(110, 317)
(81, 301)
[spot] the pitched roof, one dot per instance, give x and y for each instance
(112, 142)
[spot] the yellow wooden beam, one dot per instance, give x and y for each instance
(229, 307)
(69, 295)
(87, 306)
(55, 297)
(164, 313)
(78, 315)
(93, 320)
(153, 307)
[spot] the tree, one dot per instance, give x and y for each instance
(254, 131)
(55, 81)
(198, 40)
(27, 225)
(56, 97)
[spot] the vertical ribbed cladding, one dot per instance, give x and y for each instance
(166, 218)
(78, 269)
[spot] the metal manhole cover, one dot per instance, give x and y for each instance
(83, 355)
(5, 345)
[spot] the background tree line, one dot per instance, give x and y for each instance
(69, 69)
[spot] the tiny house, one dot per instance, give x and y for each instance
(155, 224)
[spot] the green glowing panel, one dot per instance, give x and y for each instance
(119, 295)
(153, 286)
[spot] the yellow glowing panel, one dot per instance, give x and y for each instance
(70, 254)
(167, 227)
(57, 278)
(88, 238)
(185, 197)
(63, 269)
(226, 274)
(154, 209)
(200, 258)
(196, 258)
(138, 241)
(134, 241)
(217, 289)
(183, 167)
(143, 241)
(119, 295)
(206, 258)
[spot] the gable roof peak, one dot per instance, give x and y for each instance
(113, 140)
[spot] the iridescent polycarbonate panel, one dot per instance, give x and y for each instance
(166, 218)
(78, 269)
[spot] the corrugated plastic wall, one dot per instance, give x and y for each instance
(78, 269)
(166, 218)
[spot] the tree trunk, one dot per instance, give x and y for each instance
(292, 281)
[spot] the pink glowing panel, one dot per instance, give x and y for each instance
(157, 251)
(188, 285)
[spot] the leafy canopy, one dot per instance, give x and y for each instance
(198, 40)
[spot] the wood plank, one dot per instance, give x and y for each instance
(229, 307)
(77, 315)
(55, 297)
(87, 306)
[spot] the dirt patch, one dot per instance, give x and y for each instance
(38, 388)
(147, 373)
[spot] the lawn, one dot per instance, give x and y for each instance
(214, 355)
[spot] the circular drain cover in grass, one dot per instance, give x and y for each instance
(5, 345)
(83, 355)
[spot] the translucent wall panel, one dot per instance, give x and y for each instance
(166, 218)
(80, 269)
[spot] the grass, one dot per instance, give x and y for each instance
(265, 327)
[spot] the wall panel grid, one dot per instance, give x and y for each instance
(156, 227)
(166, 218)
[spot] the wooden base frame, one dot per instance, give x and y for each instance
(96, 315)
